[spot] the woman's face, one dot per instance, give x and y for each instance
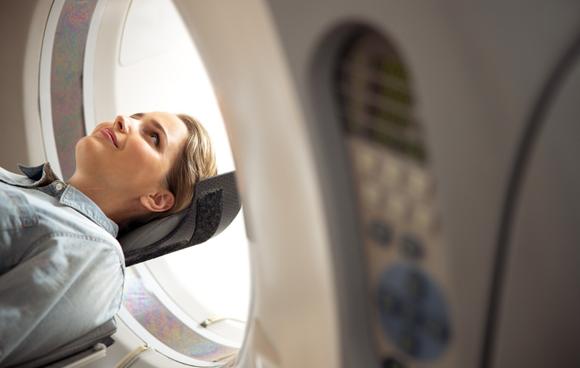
(132, 153)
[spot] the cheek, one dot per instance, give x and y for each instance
(88, 150)
(142, 162)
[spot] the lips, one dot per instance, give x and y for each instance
(110, 135)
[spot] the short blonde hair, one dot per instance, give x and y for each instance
(195, 162)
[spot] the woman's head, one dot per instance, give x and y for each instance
(147, 163)
(196, 161)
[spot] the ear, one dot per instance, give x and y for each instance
(159, 201)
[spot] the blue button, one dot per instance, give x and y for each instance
(416, 285)
(390, 303)
(437, 330)
(413, 312)
(410, 343)
(413, 316)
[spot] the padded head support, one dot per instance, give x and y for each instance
(215, 204)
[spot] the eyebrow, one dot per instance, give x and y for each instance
(153, 121)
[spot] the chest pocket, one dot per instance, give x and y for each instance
(15, 211)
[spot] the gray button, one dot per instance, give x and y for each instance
(412, 247)
(380, 232)
(59, 186)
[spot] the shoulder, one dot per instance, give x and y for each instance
(6, 175)
(67, 225)
(98, 246)
(90, 265)
(14, 179)
(79, 255)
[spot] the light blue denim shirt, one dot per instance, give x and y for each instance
(61, 267)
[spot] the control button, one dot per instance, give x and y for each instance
(396, 208)
(418, 183)
(413, 317)
(392, 173)
(380, 232)
(411, 247)
(422, 218)
(391, 363)
(416, 285)
(412, 311)
(409, 343)
(390, 304)
(371, 195)
(437, 330)
(365, 161)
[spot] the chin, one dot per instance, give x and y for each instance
(90, 155)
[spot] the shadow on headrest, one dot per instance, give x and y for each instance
(215, 204)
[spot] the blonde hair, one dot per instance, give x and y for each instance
(195, 162)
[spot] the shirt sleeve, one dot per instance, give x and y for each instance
(70, 285)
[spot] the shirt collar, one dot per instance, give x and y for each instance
(40, 175)
(76, 199)
(68, 195)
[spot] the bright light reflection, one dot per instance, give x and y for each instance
(159, 69)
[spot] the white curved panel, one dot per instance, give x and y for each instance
(293, 318)
(45, 101)
(543, 265)
(22, 28)
(33, 55)
(258, 54)
(88, 67)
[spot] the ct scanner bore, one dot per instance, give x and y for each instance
(319, 288)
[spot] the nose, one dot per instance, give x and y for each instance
(120, 124)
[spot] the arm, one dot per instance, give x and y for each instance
(69, 286)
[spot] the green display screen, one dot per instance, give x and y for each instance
(375, 97)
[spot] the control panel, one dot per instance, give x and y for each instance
(396, 199)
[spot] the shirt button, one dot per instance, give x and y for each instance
(59, 186)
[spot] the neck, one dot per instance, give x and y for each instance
(114, 204)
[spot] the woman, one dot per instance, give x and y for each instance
(61, 267)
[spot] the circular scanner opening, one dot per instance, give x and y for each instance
(190, 305)
(207, 287)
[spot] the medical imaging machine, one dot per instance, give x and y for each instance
(408, 172)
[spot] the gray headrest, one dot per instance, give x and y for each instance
(215, 204)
